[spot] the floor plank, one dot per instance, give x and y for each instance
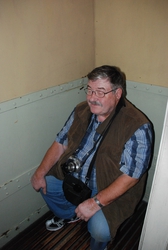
(75, 236)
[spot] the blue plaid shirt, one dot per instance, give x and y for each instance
(135, 156)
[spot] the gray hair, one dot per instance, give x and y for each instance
(112, 73)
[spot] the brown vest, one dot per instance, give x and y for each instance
(127, 121)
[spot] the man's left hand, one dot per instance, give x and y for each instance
(87, 209)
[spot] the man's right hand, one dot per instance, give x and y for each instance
(51, 157)
(38, 182)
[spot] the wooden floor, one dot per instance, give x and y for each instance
(75, 236)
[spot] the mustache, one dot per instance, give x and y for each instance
(95, 103)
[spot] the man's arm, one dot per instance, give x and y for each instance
(122, 184)
(88, 208)
(51, 157)
(134, 160)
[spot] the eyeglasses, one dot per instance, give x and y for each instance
(98, 93)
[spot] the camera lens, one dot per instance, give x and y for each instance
(72, 165)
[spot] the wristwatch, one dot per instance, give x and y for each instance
(98, 202)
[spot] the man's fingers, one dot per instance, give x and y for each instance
(44, 190)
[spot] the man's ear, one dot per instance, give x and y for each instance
(118, 93)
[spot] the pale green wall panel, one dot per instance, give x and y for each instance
(28, 127)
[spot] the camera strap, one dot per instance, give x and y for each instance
(119, 106)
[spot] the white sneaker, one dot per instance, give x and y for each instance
(56, 223)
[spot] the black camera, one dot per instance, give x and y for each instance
(73, 164)
(75, 190)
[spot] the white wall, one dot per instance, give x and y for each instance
(155, 230)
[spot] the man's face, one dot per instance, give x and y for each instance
(102, 107)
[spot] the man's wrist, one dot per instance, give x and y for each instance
(97, 202)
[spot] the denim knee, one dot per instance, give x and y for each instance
(55, 199)
(98, 227)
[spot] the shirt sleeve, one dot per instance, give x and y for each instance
(62, 136)
(137, 151)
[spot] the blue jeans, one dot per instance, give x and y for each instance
(97, 225)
